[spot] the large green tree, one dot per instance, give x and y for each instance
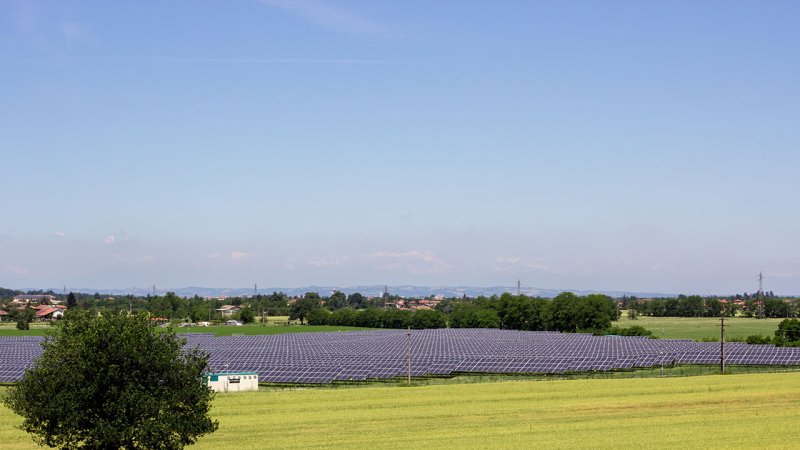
(356, 300)
(111, 381)
(72, 301)
(337, 301)
(247, 315)
(300, 308)
(570, 312)
(788, 330)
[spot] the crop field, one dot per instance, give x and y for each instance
(730, 411)
(699, 328)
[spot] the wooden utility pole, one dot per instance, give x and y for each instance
(722, 344)
(408, 334)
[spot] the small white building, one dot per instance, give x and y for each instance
(25, 299)
(232, 381)
(228, 310)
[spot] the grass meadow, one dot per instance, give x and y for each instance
(696, 328)
(699, 328)
(218, 330)
(728, 411)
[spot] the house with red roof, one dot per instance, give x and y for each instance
(49, 313)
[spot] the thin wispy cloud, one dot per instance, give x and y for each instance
(16, 270)
(517, 264)
(342, 61)
(238, 256)
(62, 236)
(327, 16)
(42, 29)
(233, 256)
(113, 239)
(412, 261)
(335, 262)
(193, 60)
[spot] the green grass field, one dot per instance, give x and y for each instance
(695, 328)
(731, 411)
(698, 328)
(219, 330)
(270, 329)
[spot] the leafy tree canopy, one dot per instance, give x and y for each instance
(111, 381)
(247, 315)
(303, 306)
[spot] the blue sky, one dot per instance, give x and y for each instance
(609, 145)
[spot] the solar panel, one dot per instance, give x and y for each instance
(319, 358)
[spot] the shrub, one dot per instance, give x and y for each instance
(758, 339)
(634, 330)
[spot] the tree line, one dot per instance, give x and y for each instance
(505, 311)
(697, 306)
(565, 312)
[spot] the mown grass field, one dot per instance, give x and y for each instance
(257, 329)
(219, 330)
(10, 329)
(698, 328)
(730, 411)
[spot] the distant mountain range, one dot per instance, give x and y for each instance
(369, 291)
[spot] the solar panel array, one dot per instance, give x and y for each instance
(318, 358)
(16, 354)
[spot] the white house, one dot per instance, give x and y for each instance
(49, 313)
(228, 310)
(25, 299)
(232, 381)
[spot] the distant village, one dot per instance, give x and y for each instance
(48, 306)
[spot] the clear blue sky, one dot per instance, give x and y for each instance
(609, 145)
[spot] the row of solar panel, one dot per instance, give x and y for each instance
(382, 354)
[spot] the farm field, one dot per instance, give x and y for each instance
(220, 330)
(695, 328)
(10, 329)
(698, 328)
(731, 411)
(250, 330)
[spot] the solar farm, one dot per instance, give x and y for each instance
(322, 358)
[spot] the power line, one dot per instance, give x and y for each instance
(722, 344)
(409, 355)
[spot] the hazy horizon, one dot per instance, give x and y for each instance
(373, 289)
(651, 146)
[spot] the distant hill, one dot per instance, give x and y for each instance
(370, 291)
